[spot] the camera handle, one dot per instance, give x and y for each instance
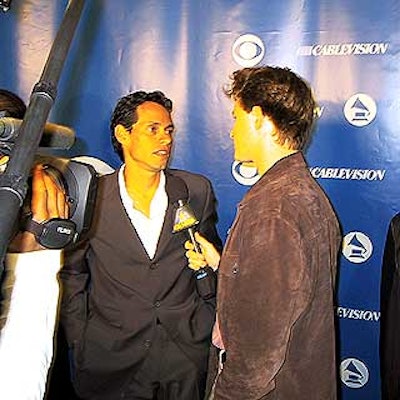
(55, 233)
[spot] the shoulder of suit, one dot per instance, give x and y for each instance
(187, 176)
(109, 177)
(108, 183)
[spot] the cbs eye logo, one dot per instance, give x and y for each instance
(244, 175)
(248, 50)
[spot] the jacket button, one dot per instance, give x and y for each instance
(235, 269)
(157, 304)
(147, 344)
(153, 266)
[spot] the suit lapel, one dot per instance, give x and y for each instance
(176, 189)
(166, 231)
(126, 237)
(127, 240)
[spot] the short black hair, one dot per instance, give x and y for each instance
(282, 95)
(125, 112)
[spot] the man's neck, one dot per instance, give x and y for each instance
(141, 186)
(267, 163)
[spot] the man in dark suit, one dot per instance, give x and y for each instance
(136, 324)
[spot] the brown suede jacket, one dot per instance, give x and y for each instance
(276, 290)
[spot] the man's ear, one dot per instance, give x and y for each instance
(257, 114)
(261, 120)
(121, 133)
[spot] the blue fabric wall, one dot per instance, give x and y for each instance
(348, 51)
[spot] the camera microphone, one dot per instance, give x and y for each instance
(54, 136)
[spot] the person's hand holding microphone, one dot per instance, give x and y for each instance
(207, 256)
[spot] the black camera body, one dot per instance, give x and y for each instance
(76, 178)
(79, 181)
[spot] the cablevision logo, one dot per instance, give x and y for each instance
(348, 173)
(354, 373)
(360, 109)
(248, 50)
(357, 314)
(243, 174)
(357, 247)
(344, 49)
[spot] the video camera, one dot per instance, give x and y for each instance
(76, 178)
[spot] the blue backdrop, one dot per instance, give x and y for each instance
(348, 51)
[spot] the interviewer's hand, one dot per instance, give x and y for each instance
(48, 201)
(208, 256)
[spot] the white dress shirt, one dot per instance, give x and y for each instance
(31, 294)
(148, 229)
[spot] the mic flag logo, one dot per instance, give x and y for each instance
(353, 373)
(360, 110)
(184, 218)
(248, 50)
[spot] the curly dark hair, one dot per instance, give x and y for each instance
(282, 95)
(125, 112)
(11, 105)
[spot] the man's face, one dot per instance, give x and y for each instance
(243, 135)
(148, 145)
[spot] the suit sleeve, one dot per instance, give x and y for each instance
(274, 290)
(209, 219)
(208, 229)
(204, 203)
(75, 277)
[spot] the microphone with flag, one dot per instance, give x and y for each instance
(185, 219)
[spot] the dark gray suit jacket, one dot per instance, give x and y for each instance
(114, 294)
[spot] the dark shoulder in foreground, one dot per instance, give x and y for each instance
(191, 179)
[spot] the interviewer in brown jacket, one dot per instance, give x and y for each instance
(277, 271)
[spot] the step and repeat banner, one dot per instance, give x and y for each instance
(349, 51)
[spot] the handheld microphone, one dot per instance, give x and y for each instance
(205, 277)
(55, 136)
(185, 219)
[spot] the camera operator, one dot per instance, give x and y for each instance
(31, 292)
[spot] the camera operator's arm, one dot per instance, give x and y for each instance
(31, 290)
